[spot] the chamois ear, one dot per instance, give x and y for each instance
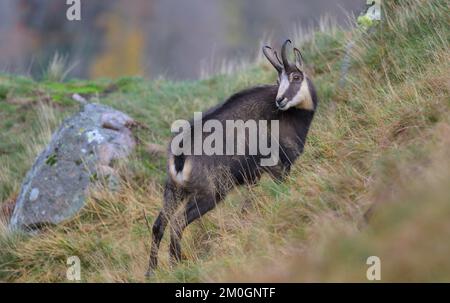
(272, 56)
(298, 59)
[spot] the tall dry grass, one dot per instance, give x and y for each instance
(381, 140)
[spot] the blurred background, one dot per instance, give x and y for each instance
(151, 38)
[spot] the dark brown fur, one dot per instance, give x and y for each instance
(212, 177)
(197, 183)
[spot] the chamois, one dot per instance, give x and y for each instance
(196, 183)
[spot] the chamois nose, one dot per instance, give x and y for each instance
(280, 102)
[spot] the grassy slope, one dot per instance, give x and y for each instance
(382, 140)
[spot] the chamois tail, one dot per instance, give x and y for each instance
(180, 168)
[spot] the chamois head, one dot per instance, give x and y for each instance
(293, 89)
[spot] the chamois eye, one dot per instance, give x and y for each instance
(296, 77)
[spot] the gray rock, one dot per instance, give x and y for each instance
(80, 152)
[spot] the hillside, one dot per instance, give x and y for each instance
(382, 142)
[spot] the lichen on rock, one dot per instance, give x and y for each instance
(56, 187)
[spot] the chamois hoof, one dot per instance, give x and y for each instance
(149, 274)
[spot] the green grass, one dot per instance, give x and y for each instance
(381, 142)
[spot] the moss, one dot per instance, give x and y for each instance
(3, 92)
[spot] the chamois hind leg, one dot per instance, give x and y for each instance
(172, 197)
(194, 209)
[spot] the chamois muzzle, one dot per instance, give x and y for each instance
(281, 102)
